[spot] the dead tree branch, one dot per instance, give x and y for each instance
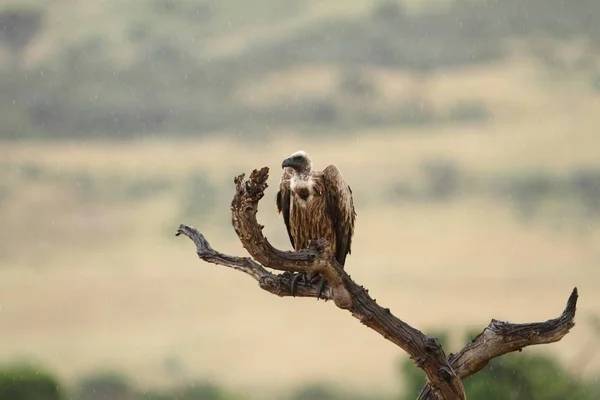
(500, 338)
(444, 375)
(278, 284)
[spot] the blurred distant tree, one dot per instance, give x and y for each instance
(22, 382)
(442, 179)
(354, 82)
(315, 392)
(201, 391)
(104, 385)
(18, 26)
(469, 110)
(393, 11)
(585, 186)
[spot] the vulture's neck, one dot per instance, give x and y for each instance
(303, 175)
(302, 184)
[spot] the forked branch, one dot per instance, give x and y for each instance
(444, 375)
(500, 338)
(278, 284)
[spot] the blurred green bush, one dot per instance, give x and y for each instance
(27, 382)
(516, 376)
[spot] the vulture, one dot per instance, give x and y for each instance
(315, 205)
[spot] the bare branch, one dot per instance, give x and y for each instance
(499, 338)
(279, 285)
(426, 352)
(444, 376)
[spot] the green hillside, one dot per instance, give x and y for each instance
(122, 69)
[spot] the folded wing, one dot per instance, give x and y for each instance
(283, 199)
(340, 208)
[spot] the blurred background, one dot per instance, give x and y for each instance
(468, 131)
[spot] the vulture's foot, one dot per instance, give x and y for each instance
(322, 283)
(307, 279)
(302, 276)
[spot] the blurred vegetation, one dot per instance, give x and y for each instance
(25, 382)
(520, 376)
(18, 26)
(157, 72)
(531, 195)
(85, 185)
(516, 376)
(104, 385)
(112, 385)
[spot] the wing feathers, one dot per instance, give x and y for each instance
(340, 208)
(283, 199)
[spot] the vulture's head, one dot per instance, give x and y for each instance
(299, 162)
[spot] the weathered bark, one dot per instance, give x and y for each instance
(444, 375)
(499, 338)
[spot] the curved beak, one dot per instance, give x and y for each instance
(287, 163)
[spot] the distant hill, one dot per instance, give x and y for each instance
(117, 69)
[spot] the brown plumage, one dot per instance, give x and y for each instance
(316, 205)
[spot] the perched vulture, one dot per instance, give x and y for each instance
(316, 205)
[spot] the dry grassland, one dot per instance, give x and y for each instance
(87, 285)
